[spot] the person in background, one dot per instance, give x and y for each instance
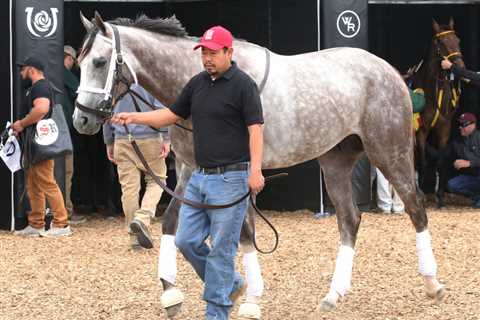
(388, 200)
(467, 160)
(155, 146)
(226, 111)
(40, 184)
(71, 84)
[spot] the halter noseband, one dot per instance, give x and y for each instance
(114, 77)
(453, 54)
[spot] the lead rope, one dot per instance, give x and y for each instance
(205, 205)
(134, 95)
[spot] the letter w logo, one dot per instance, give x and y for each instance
(348, 22)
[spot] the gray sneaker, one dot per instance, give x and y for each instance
(30, 231)
(54, 232)
(143, 234)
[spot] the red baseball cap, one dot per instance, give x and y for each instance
(467, 117)
(215, 38)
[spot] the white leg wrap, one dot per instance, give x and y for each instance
(426, 261)
(342, 276)
(253, 274)
(167, 259)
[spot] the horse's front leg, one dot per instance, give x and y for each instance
(442, 178)
(421, 157)
(250, 308)
(172, 298)
(444, 133)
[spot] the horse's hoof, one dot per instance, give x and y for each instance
(173, 310)
(171, 301)
(249, 310)
(328, 305)
(438, 294)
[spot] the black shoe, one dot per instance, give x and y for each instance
(143, 234)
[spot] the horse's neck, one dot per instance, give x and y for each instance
(163, 63)
(429, 74)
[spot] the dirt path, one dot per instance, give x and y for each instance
(93, 274)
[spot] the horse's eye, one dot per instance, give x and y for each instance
(99, 62)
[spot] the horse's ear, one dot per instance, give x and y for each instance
(100, 24)
(86, 23)
(451, 23)
(436, 27)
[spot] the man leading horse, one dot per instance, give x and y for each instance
(227, 129)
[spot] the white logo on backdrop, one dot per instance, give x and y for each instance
(348, 23)
(42, 24)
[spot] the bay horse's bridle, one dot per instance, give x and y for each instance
(105, 112)
(450, 55)
(439, 92)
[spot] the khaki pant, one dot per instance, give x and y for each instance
(68, 182)
(41, 186)
(129, 175)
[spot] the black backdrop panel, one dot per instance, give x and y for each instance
(293, 26)
(38, 31)
(5, 114)
(344, 23)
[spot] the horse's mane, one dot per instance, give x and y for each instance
(169, 26)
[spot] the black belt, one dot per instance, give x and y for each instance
(221, 169)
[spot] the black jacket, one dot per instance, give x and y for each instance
(468, 148)
(474, 77)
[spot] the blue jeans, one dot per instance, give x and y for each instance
(466, 185)
(215, 265)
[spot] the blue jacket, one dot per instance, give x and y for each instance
(114, 131)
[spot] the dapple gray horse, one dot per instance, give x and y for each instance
(330, 105)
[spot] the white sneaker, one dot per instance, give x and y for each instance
(30, 231)
(57, 232)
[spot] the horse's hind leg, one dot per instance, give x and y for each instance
(172, 298)
(337, 166)
(399, 170)
(250, 309)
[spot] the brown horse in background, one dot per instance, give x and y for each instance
(442, 93)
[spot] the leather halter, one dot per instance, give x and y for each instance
(115, 77)
(450, 55)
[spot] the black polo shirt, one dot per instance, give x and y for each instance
(221, 111)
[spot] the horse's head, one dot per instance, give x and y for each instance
(105, 75)
(446, 42)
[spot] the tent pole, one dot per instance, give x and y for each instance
(12, 197)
